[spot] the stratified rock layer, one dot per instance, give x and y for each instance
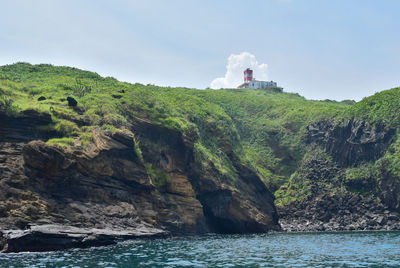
(107, 188)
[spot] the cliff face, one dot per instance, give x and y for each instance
(345, 187)
(351, 142)
(241, 206)
(162, 160)
(106, 160)
(354, 142)
(108, 188)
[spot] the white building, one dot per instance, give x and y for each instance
(255, 84)
(250, 82)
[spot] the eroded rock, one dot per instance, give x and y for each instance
(59, 237)
(352, 141)
(108, 187)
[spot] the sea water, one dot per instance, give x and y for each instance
(336, 249)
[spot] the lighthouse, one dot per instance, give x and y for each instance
(248, 75)
(250, 82)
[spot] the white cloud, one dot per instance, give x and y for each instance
(237, 63)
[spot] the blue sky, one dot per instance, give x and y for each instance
(320, 49)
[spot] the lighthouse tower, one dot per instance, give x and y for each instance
(248, 75)
(250, 82)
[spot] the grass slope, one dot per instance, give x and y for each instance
(264, 127)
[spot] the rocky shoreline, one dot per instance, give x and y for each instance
(346, 212)
(370, 222)
(51, 237)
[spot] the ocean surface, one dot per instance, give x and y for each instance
(344, 249)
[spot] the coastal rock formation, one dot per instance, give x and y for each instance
(109, 186)
(343, 211)
(56, 237)
(389, 189)
(242, 206)
(182, 161)
(334, 201)
(351, 141)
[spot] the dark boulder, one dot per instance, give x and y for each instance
(72, 102)
(41, 98)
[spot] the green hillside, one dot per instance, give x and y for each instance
(265, 127)
(368, 178)
(383, 108)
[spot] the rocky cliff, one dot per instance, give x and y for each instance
(351, 142)
(105, 160)
(111, 190)
(344, 186)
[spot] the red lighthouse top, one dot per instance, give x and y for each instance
(248, 75)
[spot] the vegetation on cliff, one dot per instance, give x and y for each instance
(361, 146)
(383, 107)
(303, 150)
(265, 128)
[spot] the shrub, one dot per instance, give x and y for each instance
(159, 178)
(7, 105)
(137, 149)
(86, 138)
(34, 91)
(66, 127)
(115, 120)
(63, 142)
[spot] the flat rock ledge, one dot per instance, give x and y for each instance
(58, 237)
(369, 222)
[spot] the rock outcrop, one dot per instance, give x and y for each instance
(389, 191)
(333, 202)
(338, 212)
(109, 186)
(56, 237)
(24, 127)
(351, 142)
(242, 206)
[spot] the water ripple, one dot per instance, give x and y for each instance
(355, 249)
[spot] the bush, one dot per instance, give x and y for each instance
(137, 149)
(7, 106)
(63, 142)
(66, 127)
(115, 120)
(86, 138)
(159, 178)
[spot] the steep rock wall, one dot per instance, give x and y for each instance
(332, 201)
(108, 187)
(243, 206)
(351, 142)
